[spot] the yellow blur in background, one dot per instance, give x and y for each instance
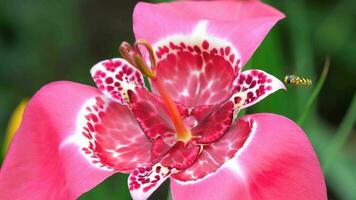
(13, 124)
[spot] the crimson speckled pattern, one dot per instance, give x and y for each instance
(253, 85)
(207, 71)
(108, 128)
(115, 77)
(144, 180)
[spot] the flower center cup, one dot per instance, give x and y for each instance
(187, 135)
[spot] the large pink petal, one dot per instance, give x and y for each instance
(276, 162)
(243, 23)
(43, 161)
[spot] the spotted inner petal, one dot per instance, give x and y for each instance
(207, 66)
(213, 123)
(181, 155)
(202, 111)
(110, 136)
(143, 181)
(160, 147)
(151, 114)
(114, 77)
(252, 86)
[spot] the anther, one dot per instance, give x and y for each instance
(134, 56)
(128, 52)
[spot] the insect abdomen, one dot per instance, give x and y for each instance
(296, 80)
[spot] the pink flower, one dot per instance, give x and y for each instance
(74, 136)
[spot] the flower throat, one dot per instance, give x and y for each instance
(134, 56)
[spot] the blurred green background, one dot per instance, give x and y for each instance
(47, 40)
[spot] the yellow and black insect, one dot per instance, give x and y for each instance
(296, 80)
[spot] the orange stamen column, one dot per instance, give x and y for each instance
(182, 133)
(134, 56)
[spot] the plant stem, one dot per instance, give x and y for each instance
(315, 93)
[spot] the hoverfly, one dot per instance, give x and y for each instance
(296, 80)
